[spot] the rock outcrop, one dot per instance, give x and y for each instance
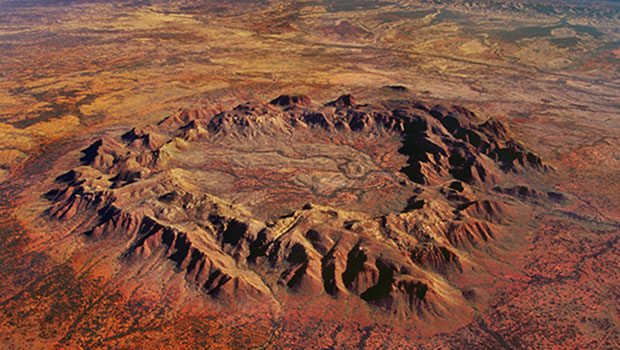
(153, 192)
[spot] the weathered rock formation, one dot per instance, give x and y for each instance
(264, 199)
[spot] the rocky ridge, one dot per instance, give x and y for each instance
(137, 191)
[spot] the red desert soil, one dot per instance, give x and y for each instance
(397, 221)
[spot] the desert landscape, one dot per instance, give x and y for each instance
(309, 174)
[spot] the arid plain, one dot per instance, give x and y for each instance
(75, 72)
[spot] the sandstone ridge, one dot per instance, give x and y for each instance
(285, 222)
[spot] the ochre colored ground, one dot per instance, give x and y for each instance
(71, 72)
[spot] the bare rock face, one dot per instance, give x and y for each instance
(385, 203)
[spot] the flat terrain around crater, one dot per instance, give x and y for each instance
(463, 246)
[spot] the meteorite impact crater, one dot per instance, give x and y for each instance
(387, 205)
